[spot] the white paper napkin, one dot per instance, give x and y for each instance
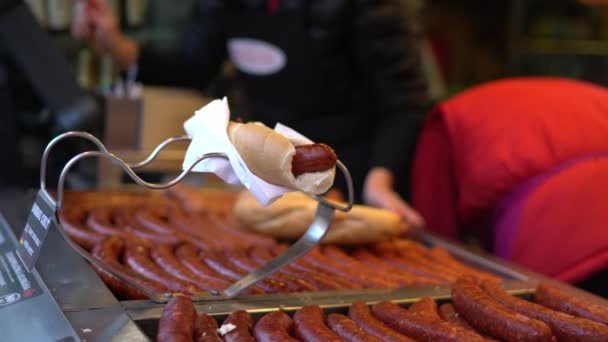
(208, 130)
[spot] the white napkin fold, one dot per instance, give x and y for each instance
(208, 130)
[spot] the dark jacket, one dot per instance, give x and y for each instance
(370, 96)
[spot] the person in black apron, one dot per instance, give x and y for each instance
(345, 73)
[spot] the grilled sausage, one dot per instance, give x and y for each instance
(206, 329)
(359, 312)
(348, 270)
(155, 218)
(239, 323)
(177, 321)
(262, 255)
(420, 327)
(271, 284)
(73, 222)
(552, 297)
(188, 255)
(109, 252)
(138, 259)
(163, 256)
(409, 278)
(565, 327)
(378, 271)
(488, 316)
(447, 313)
(132, 226)
(309, 326)
(107, 220)
(348, 330)
(427, 307)
(274, 327)
(313, 158)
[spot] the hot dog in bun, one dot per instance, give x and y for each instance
(276, 159)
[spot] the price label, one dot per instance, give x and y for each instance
(16, 283)
(36, 228)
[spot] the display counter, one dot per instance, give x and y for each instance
(74, 302)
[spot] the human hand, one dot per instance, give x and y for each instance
(95, 23)
(378, 191)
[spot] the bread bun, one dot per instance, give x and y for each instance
(269, 154)
(290, 216)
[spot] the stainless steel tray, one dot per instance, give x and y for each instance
(146, 316)
(517, 281)
(83, 297)
(483, 262)
(330, 300)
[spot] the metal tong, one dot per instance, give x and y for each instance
(317, 230)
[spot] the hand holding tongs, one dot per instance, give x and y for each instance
(317, 230)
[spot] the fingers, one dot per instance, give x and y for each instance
(409, 214)
(392, 201)
(385, 197)
(378, 191)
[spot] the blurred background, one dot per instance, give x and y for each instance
(468, 42)
(471, 41)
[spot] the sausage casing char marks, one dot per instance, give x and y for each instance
(348, 330)
(564, 326)
(206, 329)
(449, 314)
(425, 307)
(177, 321)
(192, 226)
(153, 225)
(218, 263)
(290, 282)
(349, 271)
(137, 258)
(163, 256)
(156, 218)
(261, 255)
(271, 284)
(107, 220)
(241, 323)
(488, 316)
(188, 255)
(132, 226)
(360, 313)
(309, 326)
(109, 251)
(312, 158)
(371, 259)
(377, 272)
(274, 327)
(428, 307)
(420, 327)
(553, 297)
(441, 255)
(73, 220)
